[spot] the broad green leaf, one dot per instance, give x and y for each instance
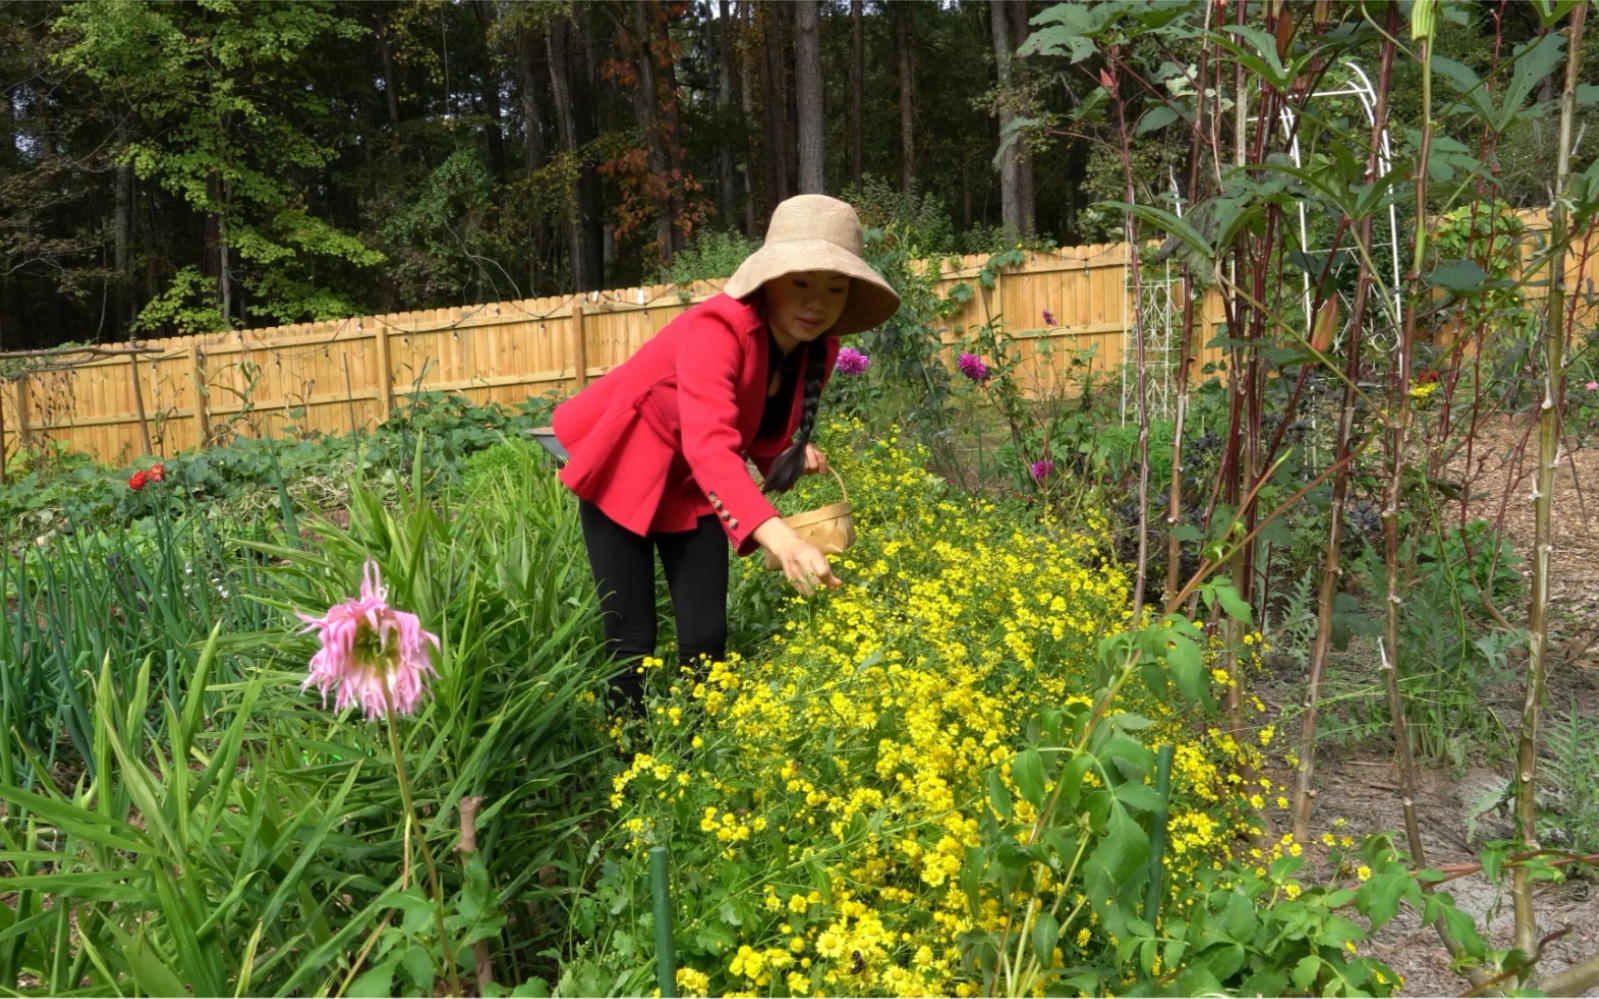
(1046, 931)
(375, 982)
(1167, 221)
(998, 797)
(1304, 973)
(1187, 667)
(1027, 770)
(1156, 118)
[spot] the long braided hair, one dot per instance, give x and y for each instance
(787, 467)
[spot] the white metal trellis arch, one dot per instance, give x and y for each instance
(1161, 309)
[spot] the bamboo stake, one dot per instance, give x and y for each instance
(1543, 497)
(202, 393)
(138, 404)
(24, 425)
(580, 349)
(385, 372)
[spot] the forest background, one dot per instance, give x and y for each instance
(177, 168)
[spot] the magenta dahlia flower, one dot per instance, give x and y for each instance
(973, 367)
(373, 655)
(1049, 318)
(1042, 469)
(852, 362)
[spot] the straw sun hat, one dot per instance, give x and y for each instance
(813, 232)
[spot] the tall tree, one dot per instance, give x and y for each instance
(900, 14)
(1026, 201)
(725, 45)
(557, 40)
(774, 100)
(857, 86)
(1009, 182)
(808, 95)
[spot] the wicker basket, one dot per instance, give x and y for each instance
(830, 528)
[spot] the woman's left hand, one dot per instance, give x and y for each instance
(815, 461)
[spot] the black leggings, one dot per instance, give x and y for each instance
(624, 571)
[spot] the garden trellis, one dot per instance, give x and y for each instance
(1161, 307)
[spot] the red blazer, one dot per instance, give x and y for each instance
(661, 440)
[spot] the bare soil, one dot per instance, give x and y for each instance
(1360, 785)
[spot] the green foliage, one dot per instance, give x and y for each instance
(227, 121)
(286, 834)
(711, 255)
(1569, 772)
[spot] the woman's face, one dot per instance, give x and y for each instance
(804, 305)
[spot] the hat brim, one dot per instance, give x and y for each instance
(871, 301)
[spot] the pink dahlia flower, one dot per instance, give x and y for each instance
(368, 648)
(1593, 386)
(852, 362)
(973, 367)
(1042, 469)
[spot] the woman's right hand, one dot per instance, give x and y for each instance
(803, 563)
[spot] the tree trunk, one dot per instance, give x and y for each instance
(123, 234)
(390, 88)
(857, 67)
(1010, 207)
(775, 104)
(725, 194)
(645, 106)
(584, 106)
(1024, 160)
(566, 129)
(900, 14)
(494, 132)
(534, 153)
(746, 96)
(808, 95)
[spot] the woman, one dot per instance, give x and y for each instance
(658, 445)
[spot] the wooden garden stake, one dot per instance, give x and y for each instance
(24, 430)
(138, 403)
(385, 373)
(202, 417)
(580, 348)
(349, 393)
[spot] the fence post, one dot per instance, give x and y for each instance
(580, 348)
(385, 373)
(202, 393)
(138, 399)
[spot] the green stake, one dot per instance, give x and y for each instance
(1157, 833)
(665, 958)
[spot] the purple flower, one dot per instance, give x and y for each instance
(972, 367)
(376, 656)
(1049, 318)
(1043, 468)
(851, 362)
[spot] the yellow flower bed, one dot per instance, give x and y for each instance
(820, 802)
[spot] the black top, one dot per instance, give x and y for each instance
(774, 418)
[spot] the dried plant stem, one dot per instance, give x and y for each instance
(1135, 263)
(480, 950)
(1332, 570)
(1555, 331)
(422, 841)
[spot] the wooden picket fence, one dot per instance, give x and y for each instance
(341, 376)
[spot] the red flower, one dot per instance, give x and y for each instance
(158, 473)
(137, 480)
